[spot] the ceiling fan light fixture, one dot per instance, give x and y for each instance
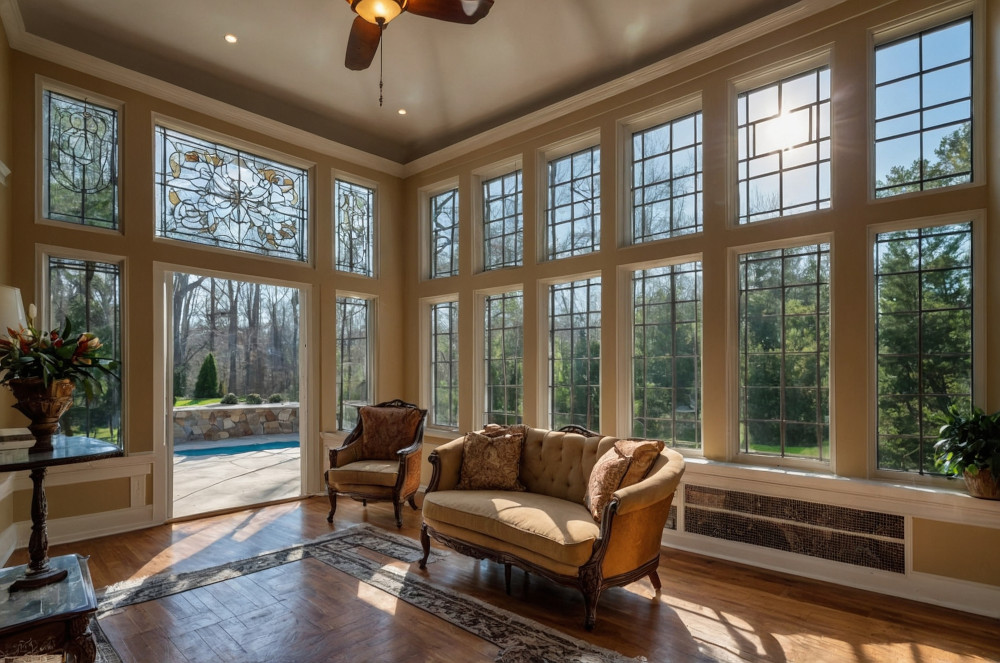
(373, 10)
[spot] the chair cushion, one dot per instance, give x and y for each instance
(625, 464)
(387, 430)
(491, 460)
(366, 472)
(558, 529)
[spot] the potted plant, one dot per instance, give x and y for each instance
(969, 445)
(43, 368)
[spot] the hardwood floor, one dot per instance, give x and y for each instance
(709, 610)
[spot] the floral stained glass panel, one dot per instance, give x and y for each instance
(216, 195)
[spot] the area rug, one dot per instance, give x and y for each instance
(520, 640)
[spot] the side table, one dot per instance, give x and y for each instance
(50, 619)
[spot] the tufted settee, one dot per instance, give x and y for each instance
(547, 529)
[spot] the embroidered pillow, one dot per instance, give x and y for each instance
(605, 479)
(643, 454)
(492, 460)
(386, 430)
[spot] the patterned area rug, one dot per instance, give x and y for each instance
(520, 640)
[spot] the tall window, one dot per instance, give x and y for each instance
(502, 221)
(575, 354)
(573, 212)
(88, 294)
(667, 180)
(783, 131)
(444, 234)
(80, 160)
(923, 280)
(923, 110)
(355, 209)
(504, 354)
(444, 364)
(666, 360)
(211, 194)
(353, 359)
(784, 352)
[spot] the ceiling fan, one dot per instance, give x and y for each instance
(374, 15)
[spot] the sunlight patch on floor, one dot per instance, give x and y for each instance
(377, 598)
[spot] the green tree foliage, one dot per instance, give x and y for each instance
(180, 382)
(207, 384)
(952, 164)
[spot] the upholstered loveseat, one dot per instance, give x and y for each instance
(547, 528)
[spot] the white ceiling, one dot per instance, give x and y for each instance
(454, 80)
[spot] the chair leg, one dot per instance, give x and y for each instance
(590, 597)
(654, 578)
(425, 543)
(332, 495)
(395, 509)
(506, 577)
(364, 503)
(413, 502)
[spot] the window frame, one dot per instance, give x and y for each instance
(424, 197)
(373, 230)
(552, 152)
(371, 303)
(427, 359)
(479, 177)
(546, 331)
(979, 331)
(479, 348)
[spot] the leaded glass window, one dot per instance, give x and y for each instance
(667, 180)
(503, 221)
(666, 354)
(923, 110)
(783, 135)
(80, 183)
(573, 211)
(784, 352)
(575, 354)
(923, 295)
(353, 359)
(88, 294)
(355, 205)
(444, 234)
(444, 365)
(211, 194)
(504, 352)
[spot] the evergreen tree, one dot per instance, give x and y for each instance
(207, 385)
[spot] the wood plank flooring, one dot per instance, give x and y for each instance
(304, 612)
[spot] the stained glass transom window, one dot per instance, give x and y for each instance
(503, 221)
(211, 194)
(355, 219)
(81, 161)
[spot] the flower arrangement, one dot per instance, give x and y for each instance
(53, 355)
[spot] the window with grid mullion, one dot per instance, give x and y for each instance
(502, 221)
(504, 358)
(575, 353)
(574, 204)
(444, 234)
(444, 364)
(353, 358)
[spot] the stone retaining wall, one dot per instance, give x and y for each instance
(220, 422)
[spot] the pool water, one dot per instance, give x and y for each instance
(236, 448)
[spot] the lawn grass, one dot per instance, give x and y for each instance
(181, 402)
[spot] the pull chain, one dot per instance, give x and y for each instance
(381, 56)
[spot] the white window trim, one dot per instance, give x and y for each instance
(479, 349)
(551, 152)
(424, 195)
(425, 361)
(479, 176)
(373, 336)
(979, 332)
(732, 361)
(376, 225)
(44, 84)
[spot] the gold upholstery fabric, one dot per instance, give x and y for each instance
(605, 478)
(643, 454)
(369, 472)
(386, 430)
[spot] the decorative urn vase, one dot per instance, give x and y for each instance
(43, 405)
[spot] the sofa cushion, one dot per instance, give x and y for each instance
(605, 479)
(643, 454)
(386, 430)
(555, 528)
(492, 460)
(367, 472)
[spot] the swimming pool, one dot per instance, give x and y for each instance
(236, 448)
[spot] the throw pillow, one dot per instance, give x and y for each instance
(386, 430)
(605, 479)
(643, 454)
(491, 462)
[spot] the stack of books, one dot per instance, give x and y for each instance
(14, 445)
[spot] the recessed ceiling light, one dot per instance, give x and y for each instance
(231, 38)
(402, 111)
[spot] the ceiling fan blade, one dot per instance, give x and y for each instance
(456, 11)
(362, 44)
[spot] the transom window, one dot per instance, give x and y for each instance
(784, 352)
(353, 359)
(923, 110)
(80, 160)
(355, 209)
(783, 132)
(667, 180)
(503, 221)
(923, 280)
(666, 354)
(214, 195)
(444, 234)
(88, 294)
(575, 354)
(444, 364)
(573, 212)
(504, 354)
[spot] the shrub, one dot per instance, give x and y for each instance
(207, 384)
(253, 399)
(229, 399)
(180, 382)
(276, 398)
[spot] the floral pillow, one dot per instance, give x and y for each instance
(491, 460)
(624, 464)
(386, 430)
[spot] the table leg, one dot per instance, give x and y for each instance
(39, 573)
(82, 645)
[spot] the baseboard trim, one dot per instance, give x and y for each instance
(937, 590)
(91, 526)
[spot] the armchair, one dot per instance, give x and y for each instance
(380, 459)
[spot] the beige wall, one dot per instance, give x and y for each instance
(956, 551)
(7, 416)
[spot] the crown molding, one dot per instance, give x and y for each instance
(21, 40)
